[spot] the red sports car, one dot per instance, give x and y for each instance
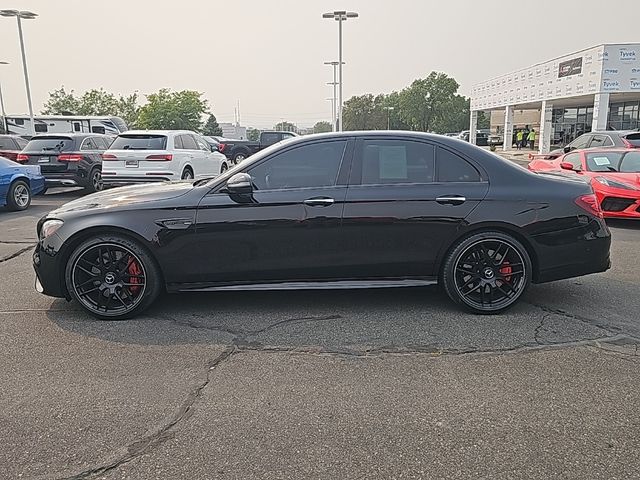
(614, 175)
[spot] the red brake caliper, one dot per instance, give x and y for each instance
(134, 269)
(506, 270)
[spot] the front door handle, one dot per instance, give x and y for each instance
(451, 200)
(319, 201)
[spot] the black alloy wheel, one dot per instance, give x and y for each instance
(112, 277)
(487, 272)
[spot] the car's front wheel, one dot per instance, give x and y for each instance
(487, 272)
(112, 277)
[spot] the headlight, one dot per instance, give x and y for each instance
(50, 227)
(615, 184)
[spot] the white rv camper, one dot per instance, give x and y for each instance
(21, 124)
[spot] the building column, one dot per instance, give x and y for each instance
(508, 128)
(546, 128)
(600, 111)
(473, 127)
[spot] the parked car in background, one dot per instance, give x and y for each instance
(18, 183)
(11, 146)
(68, 160)
(482, 137)
(341, 210)
(239, 150)
(614, 174)
(142, 156)
(600, 139)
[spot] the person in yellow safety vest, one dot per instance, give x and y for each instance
(531, 138)
(519, 138)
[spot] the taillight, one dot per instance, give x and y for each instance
(109, 157)
(590, 204)
(221, 147)
(160, 157)
(73, 157)
(22, 158)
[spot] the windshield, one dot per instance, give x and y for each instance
(49, 144)
(624, 162)
(139, 142)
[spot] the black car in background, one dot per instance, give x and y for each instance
(68, 159)
(239, 150)
(11, 146)
(600, 139)
(341, 210)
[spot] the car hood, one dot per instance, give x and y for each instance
(127, 196)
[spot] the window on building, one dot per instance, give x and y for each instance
(41, 128)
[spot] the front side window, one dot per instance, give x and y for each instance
(188, 143)
(202, 145)
(580, 142)
(397, 161)
(453, 168)
(308, 166)
(575, 159)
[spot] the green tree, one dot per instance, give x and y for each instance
(285, 126)
(364, 112)
(173, 110)
(253, 134)
(212, 128)
(322, 127)
(484, 120)
(92, 102)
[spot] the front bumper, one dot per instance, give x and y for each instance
(49, 269)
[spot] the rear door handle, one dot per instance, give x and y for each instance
(451, 200)
(319, 201)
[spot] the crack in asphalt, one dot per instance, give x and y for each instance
(17, 254)
(536, 332)
(563, 313)
(160, 434)
(16, 242)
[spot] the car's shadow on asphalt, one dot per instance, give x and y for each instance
(624, 224)
(393, 319)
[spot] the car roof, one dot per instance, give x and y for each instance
(67, 135)
(609, 132)
(604, 150)
(157, 132)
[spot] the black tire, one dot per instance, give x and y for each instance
(239, 157)
(223, 168)
(487, 272)
(111, 286)
(94, 181)
(18, 196)
(187, 174)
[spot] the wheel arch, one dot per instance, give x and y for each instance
(77, 238)
(505, 228)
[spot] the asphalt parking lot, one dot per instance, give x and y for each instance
(393, 383)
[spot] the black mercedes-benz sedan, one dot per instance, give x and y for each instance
(345, 210)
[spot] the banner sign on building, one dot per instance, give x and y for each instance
(570, 67)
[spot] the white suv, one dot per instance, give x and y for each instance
(141, 156)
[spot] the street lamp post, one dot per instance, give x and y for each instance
(388, 109)
(340, 16)
(23, 15)
(334, 83)
(5, 126)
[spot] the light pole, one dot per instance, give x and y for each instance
(4, 114)
(20, 15)
(333, 113)
(334, 83)
(340, 16)
(388, 109)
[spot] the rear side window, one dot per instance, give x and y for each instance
(397, 161)
(189, 143)
(21, 142)
(270, 138)
(454, 168)
(50, 144)
(633, 139)
(7, 143)
(177, 142)
(89, 144)
(599, 141)
(139, 142)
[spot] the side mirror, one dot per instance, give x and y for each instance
(568, 166)
(215, 148)
(567, 149)
(240, 184)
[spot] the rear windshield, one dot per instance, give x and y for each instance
(49, 144)
(633, 139)
(139, 142)
(7, 144)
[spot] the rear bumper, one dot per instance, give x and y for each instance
(120, 181)
(67, 179)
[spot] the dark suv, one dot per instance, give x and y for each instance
(608, 138)
(69, 159)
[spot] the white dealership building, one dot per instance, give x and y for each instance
(594, 89)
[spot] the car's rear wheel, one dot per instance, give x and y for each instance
(487, 272)
(95, 181)
(112, 277)
(19, 196)
(223, 168)
(239, 157)
(187, 174)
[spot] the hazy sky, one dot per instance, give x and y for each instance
(269, 54)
